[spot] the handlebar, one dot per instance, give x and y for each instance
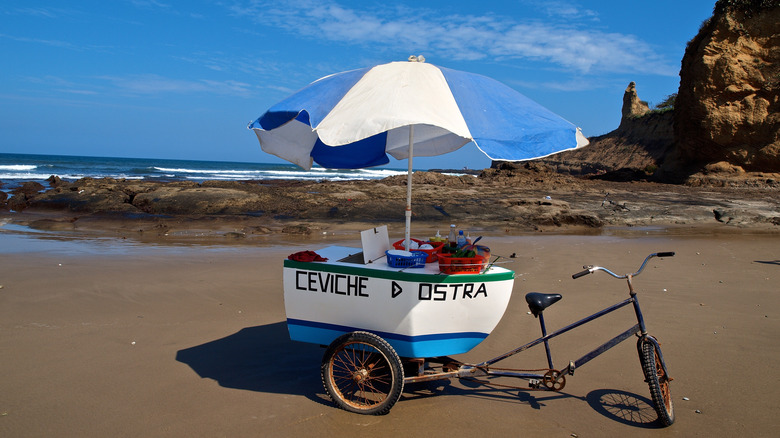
(592, 269)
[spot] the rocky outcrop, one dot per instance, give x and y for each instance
(728, 104)
(632, 106)
(723, 126)
(632, 151)
(506, 198)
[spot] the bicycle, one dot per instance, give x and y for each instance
(362, 373)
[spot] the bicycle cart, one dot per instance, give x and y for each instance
(386, 326)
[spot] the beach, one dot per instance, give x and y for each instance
(113, 336)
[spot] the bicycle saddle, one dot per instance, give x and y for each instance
(537, 302)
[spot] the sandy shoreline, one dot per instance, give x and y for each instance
(190, 340)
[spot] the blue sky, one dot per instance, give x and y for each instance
(181, 80)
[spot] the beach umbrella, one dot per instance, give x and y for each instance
(354, 119)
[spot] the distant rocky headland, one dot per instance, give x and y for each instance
(722, 127)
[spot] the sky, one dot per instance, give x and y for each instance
(181, 79)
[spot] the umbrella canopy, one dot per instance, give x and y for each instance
(354, 119)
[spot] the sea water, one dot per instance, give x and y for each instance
(15, 168)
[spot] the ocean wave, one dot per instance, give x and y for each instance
(185, 170)
(18, 167)
(316, 173)
(33, 176)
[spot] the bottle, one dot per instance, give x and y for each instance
(468, 238)
(461, 239)
(437, 238)
(452, 240)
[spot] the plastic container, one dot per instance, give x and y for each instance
(461, 239)
(438, 238)
(430, 254)
(460, 265)
(416, 259)
(452, 239)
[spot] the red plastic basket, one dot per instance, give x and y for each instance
(460, 265)
(430, 253)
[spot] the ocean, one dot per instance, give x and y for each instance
(16, 168)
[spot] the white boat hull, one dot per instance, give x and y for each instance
(419, 311)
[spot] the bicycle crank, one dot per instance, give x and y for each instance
(554, 380)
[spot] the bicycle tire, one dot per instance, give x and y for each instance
(362, 373)
(658, 381)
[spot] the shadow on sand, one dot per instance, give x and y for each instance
(261, 358)
(264, 359)
(624, 407)
(769, 262)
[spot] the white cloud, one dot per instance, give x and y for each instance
(45, 42)
(155, 84)
(150, 4)
(56, 43)
(37, 12)
(468, 37)
(569, 85)
(566, 10)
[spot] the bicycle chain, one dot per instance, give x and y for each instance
(552, 380)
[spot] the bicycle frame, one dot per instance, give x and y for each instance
(554, 379)
(638, 328)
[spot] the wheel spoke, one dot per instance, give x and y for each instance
(362, 373)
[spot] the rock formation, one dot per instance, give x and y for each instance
(632, 106)
(728, 104)
(726, 116)
(632, 151)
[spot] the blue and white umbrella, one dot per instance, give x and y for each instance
(354, 119)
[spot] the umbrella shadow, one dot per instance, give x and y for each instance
(261, 358)
(624, 407)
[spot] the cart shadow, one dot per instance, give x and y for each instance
(264, 359)
(484, 390)
(261, 358)
(617, 405)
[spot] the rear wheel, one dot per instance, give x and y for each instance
(362, 373)
(658, 381)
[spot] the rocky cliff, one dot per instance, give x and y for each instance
(728, 104)
(725, 118)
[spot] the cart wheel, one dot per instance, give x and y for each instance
(658, 381)
(362, 373)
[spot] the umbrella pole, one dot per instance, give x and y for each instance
(407, 234)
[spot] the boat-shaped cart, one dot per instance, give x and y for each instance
(372, 315)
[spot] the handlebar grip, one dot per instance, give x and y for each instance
(580, 274)
(665, 254)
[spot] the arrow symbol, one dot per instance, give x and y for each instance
(396, 289)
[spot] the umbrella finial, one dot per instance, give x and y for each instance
(418, 58)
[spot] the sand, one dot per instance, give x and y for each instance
(110, 337)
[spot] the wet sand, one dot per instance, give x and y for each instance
(111, 337)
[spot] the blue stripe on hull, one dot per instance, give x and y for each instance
(432, 345)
